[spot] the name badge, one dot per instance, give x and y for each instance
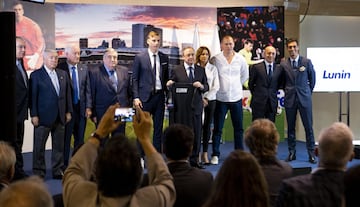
(181, 90)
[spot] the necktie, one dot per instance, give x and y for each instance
(294, 64)
(154, 70)
(113, 79)
(55, 81)
(191, 76)
(270, 71)
(20, 68)
(75, 85)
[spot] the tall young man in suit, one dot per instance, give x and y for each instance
(299, 82)
(264, 84)
(189, 112)
(22, 106)
(149, 77)
(81, 98)
(109, 84)
(325, 185)
(51, 108)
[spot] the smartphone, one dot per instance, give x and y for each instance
(124, 114)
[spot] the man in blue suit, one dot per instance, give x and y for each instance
(81, 98)
(264, 84)
(109, 84)
(51, 108)
(299, 81)
(150, 74)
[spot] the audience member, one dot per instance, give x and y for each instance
(239, 182)
(149, 77)
(81, 99)
(31, 32)
(209, 98)
(325, 185)
(110, 84)
(189, 111)
(233, 73)
(352, 183)
(264, 83)
(51, 108)
(262, 139)
(118, 169)
(192, 185)
(7, 164)
(299, 82)
(29, 192)
(22, 106)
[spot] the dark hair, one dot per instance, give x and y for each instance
(247, 41)
(239, 182)
(118, 169)
(178, 141)
(290, 40)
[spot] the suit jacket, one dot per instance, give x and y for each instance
(192, 185)
(103, 93)
(143, 76)
(323, 188)
(179, 75)
(22, 95)
(262, 88)
(85, 100)
(298, 82)
(45, 103)
(80, 191)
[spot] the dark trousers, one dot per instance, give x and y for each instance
(18, 144)
(76, 127)
(156, 107)
(41, 134)
(209, 111)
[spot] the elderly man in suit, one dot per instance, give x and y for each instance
(325, 185)
(299, 82)
(189, 112)
(150, 74)
(81, 98)
(264, 84)
(51, 108)
(110, 84)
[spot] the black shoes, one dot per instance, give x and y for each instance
(291, 157)
(312, 159)
(198, 165)
(59, 176)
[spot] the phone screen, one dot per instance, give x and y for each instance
(124, 114)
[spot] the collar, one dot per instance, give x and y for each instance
(152, 53)
(186, 66)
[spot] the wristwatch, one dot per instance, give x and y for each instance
(97, 136)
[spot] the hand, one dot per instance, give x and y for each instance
(169, 83)
(67, 117)
(205, 102)
(35, 121)
(142, 124)
(137, 103)
(32, 60)
(88, 112)
(197, 84)
(107, 123)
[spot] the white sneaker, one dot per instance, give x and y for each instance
(214, 160)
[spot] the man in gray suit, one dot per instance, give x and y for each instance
(81, 98)
(51, 108)
(299, 82)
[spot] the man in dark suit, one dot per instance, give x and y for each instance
(22, 106)
(299, 81)
(325, 185)
(81, 99)
(264, 85)
(51, 108)
(192, 185)
(109, 84)
(149, 77)
(195, 76)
